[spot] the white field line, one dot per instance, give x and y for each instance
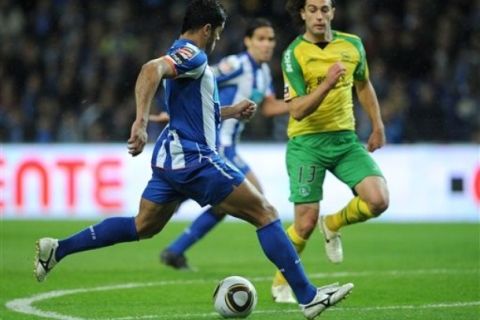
(25, 305)
(273, 311)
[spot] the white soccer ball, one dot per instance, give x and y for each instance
(235, 297)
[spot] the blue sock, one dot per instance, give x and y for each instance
(106, 233)
(199, 227)
(278, 248)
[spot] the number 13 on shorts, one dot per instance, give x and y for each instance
(306, 185)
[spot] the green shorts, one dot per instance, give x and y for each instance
(341, 153)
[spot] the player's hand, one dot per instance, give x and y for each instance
(138, 138)
(376, 140)
(334, 73)
(246, 109)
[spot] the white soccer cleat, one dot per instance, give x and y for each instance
(283, 294)
(326, 297)
(44, 257)
(333, 242)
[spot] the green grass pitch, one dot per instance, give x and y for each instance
(401, 271)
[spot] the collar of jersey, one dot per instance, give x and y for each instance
(255, 64)
(183, 41)
(334, 37)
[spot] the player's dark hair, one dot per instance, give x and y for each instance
(255, 24)
(293, 7)
(202, 12)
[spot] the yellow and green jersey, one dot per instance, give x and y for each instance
(305, 66)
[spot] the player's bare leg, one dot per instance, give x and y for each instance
(247, 203)
(153, 217)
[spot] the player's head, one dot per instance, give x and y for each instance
(260, 39)
(315, 15)
(206, 16)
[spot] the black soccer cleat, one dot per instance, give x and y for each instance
(174, 260)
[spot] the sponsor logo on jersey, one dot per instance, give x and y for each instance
(341, 82)
(287, 60)
(183, 54)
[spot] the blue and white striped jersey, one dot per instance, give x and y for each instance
(192, 101)
(240, 77)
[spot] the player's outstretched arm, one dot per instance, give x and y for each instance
(303, 106)
(369, 102)
(244, 110)
(147, 84)
(273, 107)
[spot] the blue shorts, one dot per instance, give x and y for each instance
(208, 183)
(230, 153)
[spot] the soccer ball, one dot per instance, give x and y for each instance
(235, 297)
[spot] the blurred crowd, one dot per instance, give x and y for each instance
(68, 67)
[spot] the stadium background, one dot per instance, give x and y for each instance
(68, 68)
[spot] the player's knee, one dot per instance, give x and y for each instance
(145, 233)
(219, 213)
(378, 205)
(266, 215)
(270, 213)
(146, 230)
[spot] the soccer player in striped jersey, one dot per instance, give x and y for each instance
(185, 163)
(241, 76)
(320, 68)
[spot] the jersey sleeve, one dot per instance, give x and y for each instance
(293, 76)
(227, 69)
(361, 72)
(188, 61)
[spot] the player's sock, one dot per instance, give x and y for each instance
(356, 211)
(280, 251)
(199, 227)
(299, 244)
(103, 234)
